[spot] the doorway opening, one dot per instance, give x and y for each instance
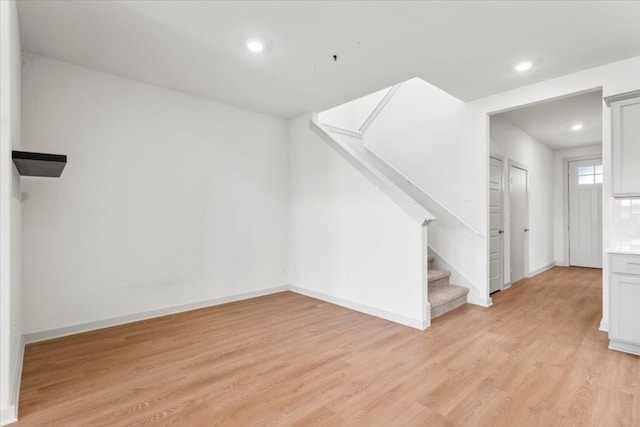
(534, 149)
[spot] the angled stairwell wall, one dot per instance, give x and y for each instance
(436, 142)
(430, 145)
(350, 241)
(442, 296)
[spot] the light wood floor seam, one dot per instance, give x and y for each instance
(535, 358)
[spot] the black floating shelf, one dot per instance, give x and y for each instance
(39, 164)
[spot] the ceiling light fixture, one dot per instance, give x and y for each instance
(255, 46)
(577, 126)
(523, 66)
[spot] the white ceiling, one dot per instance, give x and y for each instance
(467, 48)
(550, 122)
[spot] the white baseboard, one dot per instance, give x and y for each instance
(541, 270)
(482, 302)
(10, 414)
(625, 347)
(120, 320)
(387, 315)
(604, 326)
(427, 316)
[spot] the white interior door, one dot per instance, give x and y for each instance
(519, 222)
(585, 213)
(495, 225)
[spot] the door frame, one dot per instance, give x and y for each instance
(512, 163)
(565, 202)
(503, 285)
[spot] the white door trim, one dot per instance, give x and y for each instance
(565, 202)
(513, 163)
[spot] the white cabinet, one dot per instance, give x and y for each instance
(624, 307)
(625, 116)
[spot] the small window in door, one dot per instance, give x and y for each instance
(591, 174)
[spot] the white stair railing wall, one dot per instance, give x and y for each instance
(349, 145)
(456, 243)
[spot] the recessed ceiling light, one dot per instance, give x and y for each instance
(577, 126)
(523, 66)
(255, 46)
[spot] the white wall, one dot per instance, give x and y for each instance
(432, 138)
(160, 188)
(617, 77)
(436, 141)
(10, 206)
(561, 194)
(352, 115)
(349, 243)
(516, 145)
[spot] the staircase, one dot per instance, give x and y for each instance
(451, 236)
(443, 296)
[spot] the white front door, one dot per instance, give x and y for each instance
(495, 224)
(585, 213)
(519, 223)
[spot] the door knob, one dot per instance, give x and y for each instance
(500, 231)
(526, 229)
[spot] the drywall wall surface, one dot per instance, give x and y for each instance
(349, 243)
(166, 199)
(614, 78)
(560, 195)
(437, 142)
(352, 115)
(10, 214)
(517, 146)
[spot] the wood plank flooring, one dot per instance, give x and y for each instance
(536, 358)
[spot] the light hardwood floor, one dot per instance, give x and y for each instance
(536, 358)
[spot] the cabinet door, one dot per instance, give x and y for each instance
(626, 147)
(625, 308)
